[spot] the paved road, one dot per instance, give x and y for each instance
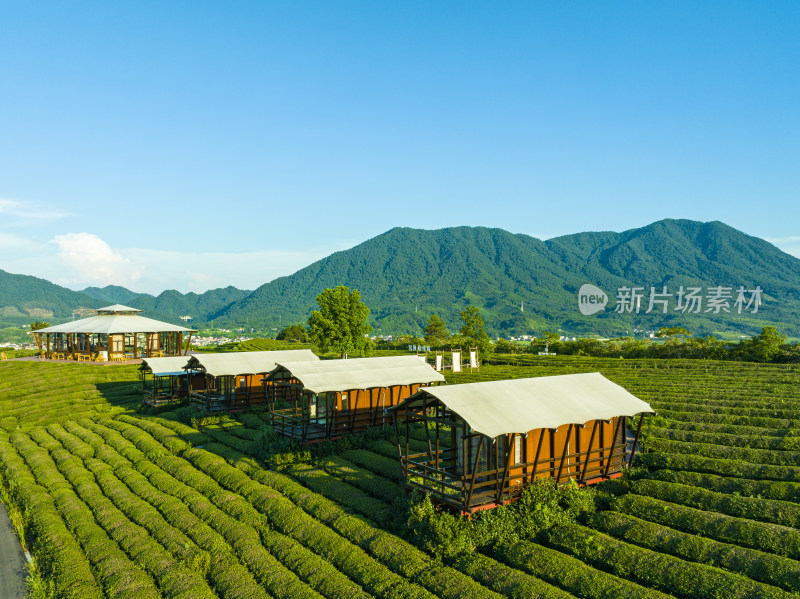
(12, 560)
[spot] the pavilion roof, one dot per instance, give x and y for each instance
(496, 408)
(108, 322)
(118, 308)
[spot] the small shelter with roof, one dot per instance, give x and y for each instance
(115, 333)
(234, 381)
(486, 441)
(313, 401)
(165, 381)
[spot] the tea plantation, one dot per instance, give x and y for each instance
(114, 502)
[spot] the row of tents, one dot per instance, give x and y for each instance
(469, 445)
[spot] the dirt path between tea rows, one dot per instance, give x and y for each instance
(12, 560)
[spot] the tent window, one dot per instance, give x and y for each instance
(517, 449)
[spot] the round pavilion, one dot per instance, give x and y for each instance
(115, 333)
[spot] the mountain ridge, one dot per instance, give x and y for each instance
(521, 284)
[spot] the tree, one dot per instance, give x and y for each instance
(294, 332)
(436, 331)
(473, 330)
(673, 332)
(39, 324)
(551, 337)
(340, 324)
(767, 345)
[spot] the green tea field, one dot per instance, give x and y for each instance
(112, 502)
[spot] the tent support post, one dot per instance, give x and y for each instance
(536, 457)
(610, 458)
(501, 487)
(564, 453)
(636, 440)
(588, 451)
(474, 472)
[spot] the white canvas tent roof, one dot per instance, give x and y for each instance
(496, 408)
(168, 366)
(249, 362)
(361, 373)
(112, 320)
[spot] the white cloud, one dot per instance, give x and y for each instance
(91, 261)
(29, 210)
(78, 260)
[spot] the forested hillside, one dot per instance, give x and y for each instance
(520, 283)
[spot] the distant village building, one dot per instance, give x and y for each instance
(312, 401)
(487, 441)
(115, 333)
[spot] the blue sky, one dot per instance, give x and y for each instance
(193, 145)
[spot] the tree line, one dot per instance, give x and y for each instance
(340, 326)
(672, 342)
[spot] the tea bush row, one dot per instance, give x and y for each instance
(657, 570)
(765, 510)
(756, 565)
(771, 538)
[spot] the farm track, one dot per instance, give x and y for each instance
(117, 504)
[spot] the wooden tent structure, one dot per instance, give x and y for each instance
(486, 441)
(234, 381)
(313, 401)
(115, 333)
(165, 381)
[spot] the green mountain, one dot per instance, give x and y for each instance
(521, 284)
(114, 294)
(525, 285)
(201, 307)
(24, 298)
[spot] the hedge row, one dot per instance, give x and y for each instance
(772, 538)
(117, 573)
(765, 510)
(760, 421)
(745, 454)
(61, 558)
(731, 440)
(399, 556)
(757, 565)
(286, 517)
(788, 411)
(387, 467)
(731, 429)
(506, 580)
(677, 399)
(377, 486)
(216, 531)
(172, 575)
(722, 467)
(664, 572)
(571, 574)
(769, 489)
